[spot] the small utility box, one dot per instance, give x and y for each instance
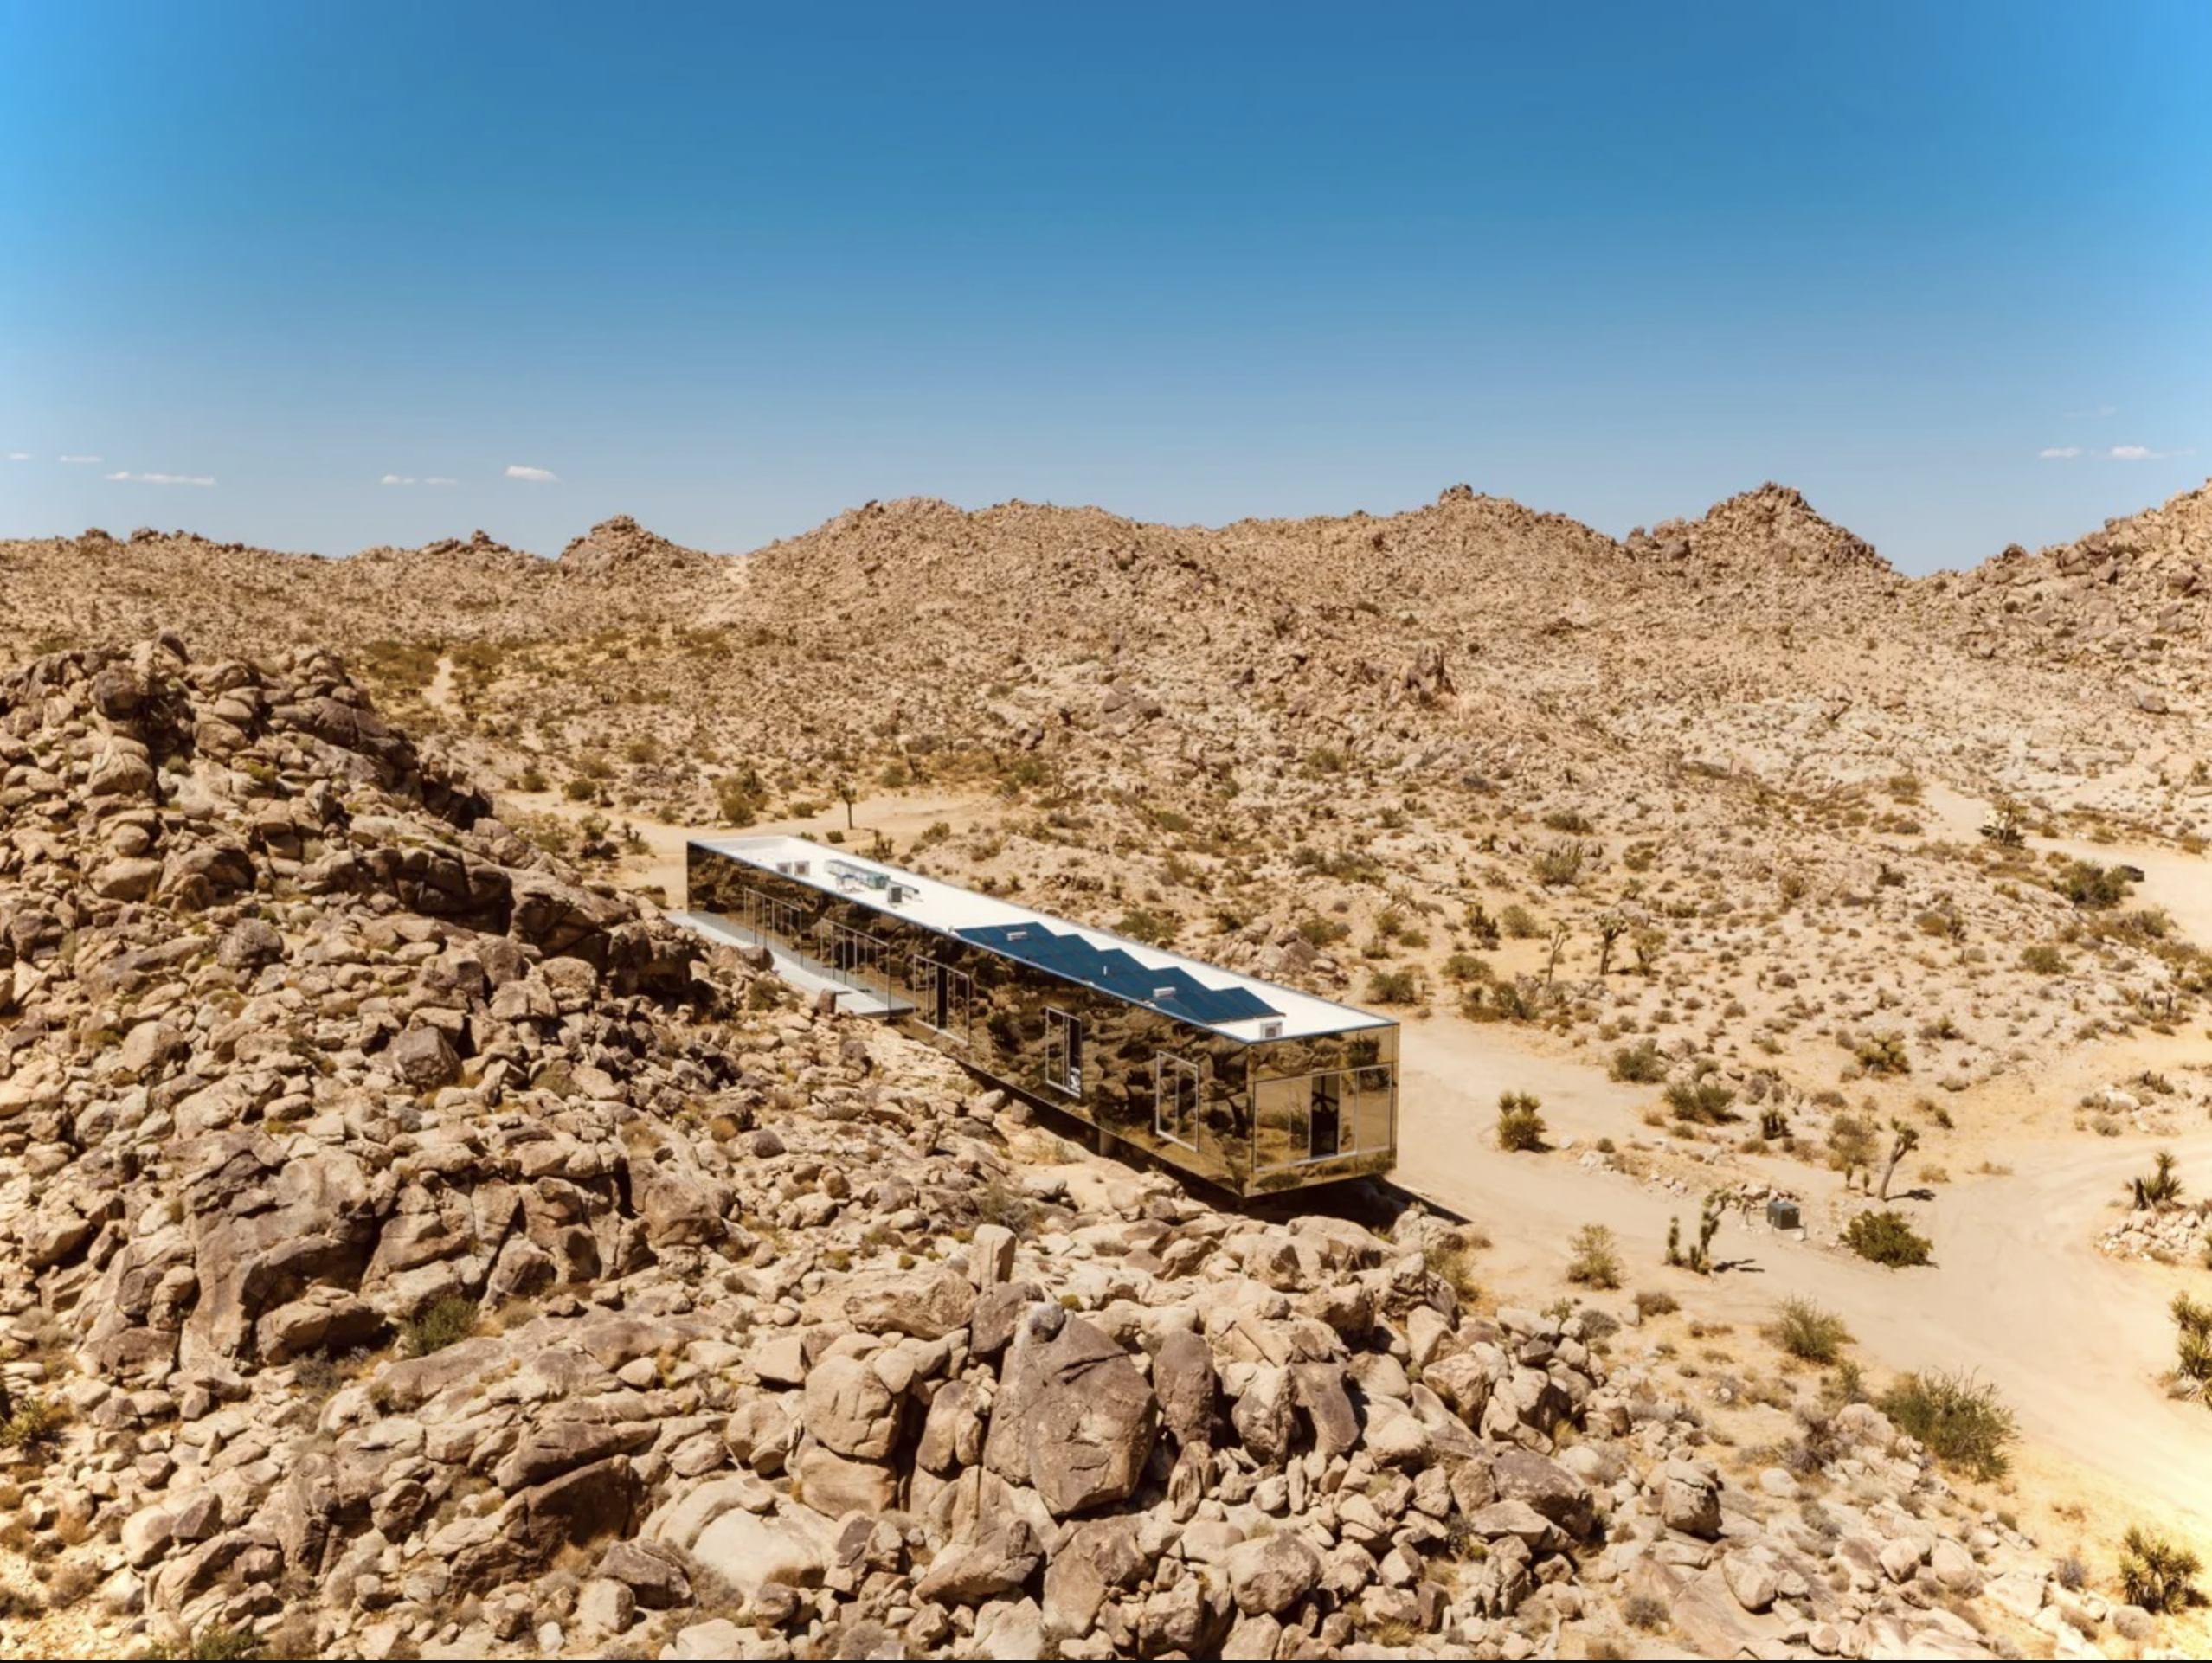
(1782, 1214)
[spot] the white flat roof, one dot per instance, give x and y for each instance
(951, 910)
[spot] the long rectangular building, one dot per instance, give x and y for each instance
(1247, 1084)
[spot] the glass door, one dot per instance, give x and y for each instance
(942, 996)
(1175, 1100)
(1326, 1123)
(1063, 1052)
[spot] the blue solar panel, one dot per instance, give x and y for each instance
(1114, 970)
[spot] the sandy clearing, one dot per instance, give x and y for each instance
(2074, 1340)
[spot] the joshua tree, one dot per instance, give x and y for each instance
(1557, 944)
(2162, 1188)
(846, 793)
(1699, 1258)
(1905, 1140)
(2193, 1345)
(2004, 826)
(1520, 1122)
(1611, 926)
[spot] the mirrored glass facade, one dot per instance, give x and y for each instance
(1217, 1098)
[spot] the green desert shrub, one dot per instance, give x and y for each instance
(2089, 885)
(1886, 1238)
(1397, 985)
(1320, 931)
(1639, 1064)
(1808, 1331)
(1959, 1418)
(2161, 1186)
(1883, 1054)
(1517, 921)
(1702, 1102)
(1451, 1256)
(448, 1322)
(214, 1642)
(34, 1429)
(1561, 863)
(1142, 924)
(1851, 1143)
(1596, 1262)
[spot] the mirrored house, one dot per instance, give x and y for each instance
(1249, 1085)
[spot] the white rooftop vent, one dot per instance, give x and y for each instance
(1271, 1030)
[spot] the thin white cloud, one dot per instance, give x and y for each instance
(81, 458)
(406, 479)
(536, 476)
(163, 478)
(2118, 453)
(19, 456)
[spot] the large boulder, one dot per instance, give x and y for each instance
(1263, 1416)
(585, 1505)
(746, 1549)
(120, 770)
(1271, 1574)
(326, 1318)
(1546, 1486)
(1183, 1377)
(546, 1451)
(1001, 1561)
(1690, 1499)
(928, 1304)
(838, 1486)
(655, 1580)
(848, 1408)
(561, 918)
(1074, 1418)
(424, 1058)
(1319, 1389)
(678, 1205)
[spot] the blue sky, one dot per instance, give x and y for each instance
(734, 269)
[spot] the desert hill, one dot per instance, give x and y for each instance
(1224, 734)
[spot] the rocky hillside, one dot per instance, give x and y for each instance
(412, 1249)
(1389, 756)
(2132, 596)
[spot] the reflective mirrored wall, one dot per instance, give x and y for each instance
(1249, 1115)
